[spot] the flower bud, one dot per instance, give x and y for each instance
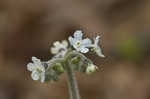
(91, 68)
(75, 60)
(51, 75)
(58, 68)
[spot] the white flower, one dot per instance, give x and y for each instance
(78, 43)
(37, 69)
(58, 47)
(96, 48)
(91, 68)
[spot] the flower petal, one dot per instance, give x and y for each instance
(30, 66)
(42, 77)
(86, 42)
(42, 68)
(35, 75)
(36, 60)
(54, 50)
(65, 43)
(84, 50)
(78, 35)
(56, 43)
(96, 40)
(99, 52)
(71, 40)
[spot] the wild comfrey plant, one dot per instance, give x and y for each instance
(67, 59)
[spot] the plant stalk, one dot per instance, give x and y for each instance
(72, 83)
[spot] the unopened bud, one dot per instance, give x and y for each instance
(75, 60)
(91, 68)
(58, 68)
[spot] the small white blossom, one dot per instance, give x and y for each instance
(78, 43)
(37, 69)
(96, 48)
(91, 68)
(58, 47)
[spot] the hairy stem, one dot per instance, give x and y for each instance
(72, 83)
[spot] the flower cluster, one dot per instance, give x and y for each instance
(65, 55)
(83, 45)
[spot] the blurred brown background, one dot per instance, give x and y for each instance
(28, 28)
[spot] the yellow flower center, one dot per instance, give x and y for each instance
(78, 43)
(38, 69)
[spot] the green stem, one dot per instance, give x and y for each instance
(72, 83)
